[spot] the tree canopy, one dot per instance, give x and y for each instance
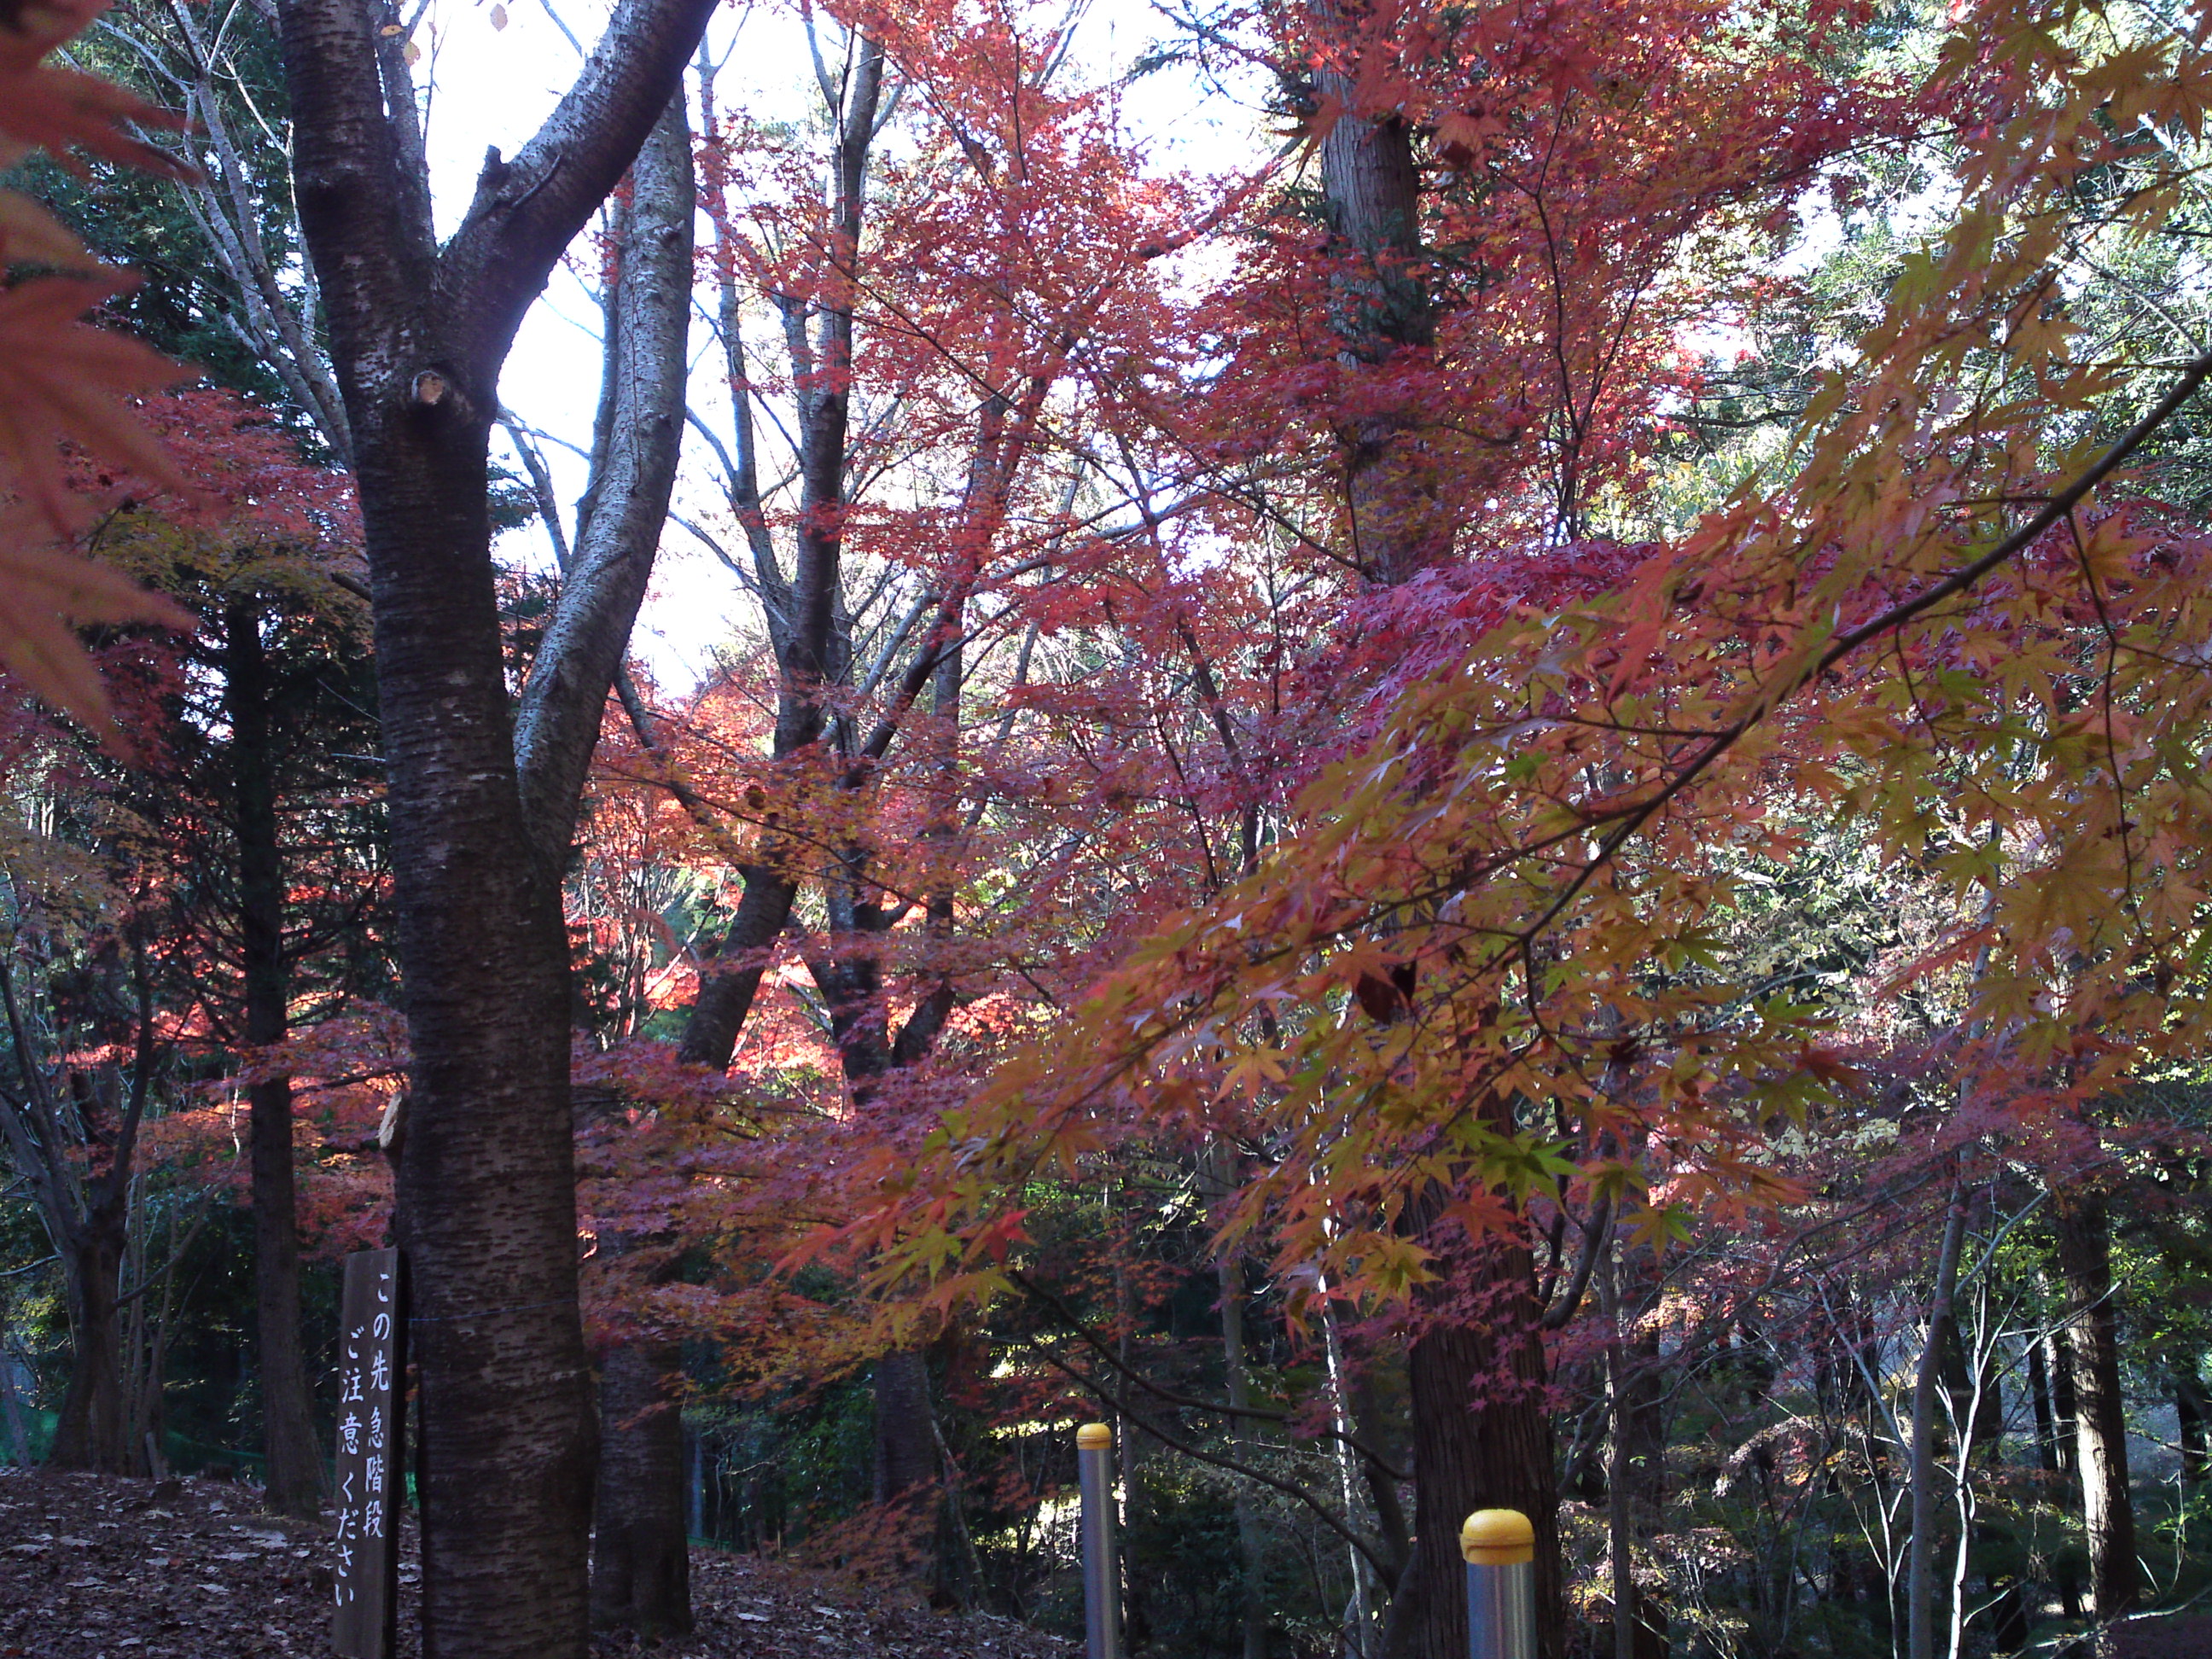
(1496, 796)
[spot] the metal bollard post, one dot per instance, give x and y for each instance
(1102, 1589)
(1499, 1546)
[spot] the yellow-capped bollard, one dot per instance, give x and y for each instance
(1499, 1547)
(1101, 1583)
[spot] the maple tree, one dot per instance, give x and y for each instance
(1438, 892)
(288, 516)
(854, 1003)
(79, 986)
(1365, 785)
(857, 680)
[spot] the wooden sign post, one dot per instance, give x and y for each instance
(371, 1470)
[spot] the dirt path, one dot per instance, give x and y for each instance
(97, 1568)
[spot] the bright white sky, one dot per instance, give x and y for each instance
(492, 86)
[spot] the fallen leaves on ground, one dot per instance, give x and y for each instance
(99, 1567)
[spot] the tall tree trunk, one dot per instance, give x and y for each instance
(482, 799)
(2066, 1407)
(809, 636)
(1371, 1423)
(487, 1180)
(1355, 1627)
(906, 1459)
(1216, 1174)
(11, 1409)
(1620, 1552)
(2065, 1459)
(2039, 1390)
(293, 1479)
(94, 1430)
(1466, 1455)
(2100, 1428)
(641, 1554)
(86, 1215)
(1636, 1484)
(1482, 1439)
(732, 979)
(905, 1444)
(1975, 1381)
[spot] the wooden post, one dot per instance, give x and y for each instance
(371, 1468)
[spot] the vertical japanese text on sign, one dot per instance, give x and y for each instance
(370, 1366)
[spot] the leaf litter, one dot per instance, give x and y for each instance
(102, 1567)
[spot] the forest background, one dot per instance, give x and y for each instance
(1491, 792)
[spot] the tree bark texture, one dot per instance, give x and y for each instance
(2059, 1352)
(86, 1215)
(906, 1463)
(726, 990)
(293, 1463)
(2100, 1427)
(2065, 1407)
(486, 1183)
(635, 451)
(1373, 1425)
(480, 803)
(1620, 1551)
(2038, 1394)
(1482, 1436)
(1636, 1487)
